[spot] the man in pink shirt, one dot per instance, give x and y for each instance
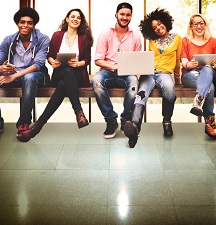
(119, 37)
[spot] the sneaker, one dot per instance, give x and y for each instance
(197, 105)
(22, 128)
(1, 124)
(132, 133)
(112, 126)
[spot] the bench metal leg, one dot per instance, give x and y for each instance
(90, 108)
(145, 113)
(34, 111)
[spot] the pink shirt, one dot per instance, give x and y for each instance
(108, 44)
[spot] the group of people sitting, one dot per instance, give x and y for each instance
(23, 56)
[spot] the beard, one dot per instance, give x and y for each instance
(121, 25)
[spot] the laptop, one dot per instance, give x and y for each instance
(63, 58)
(135, 63)
(205, 59)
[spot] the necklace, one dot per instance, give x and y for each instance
(163, 43)
(68, 40)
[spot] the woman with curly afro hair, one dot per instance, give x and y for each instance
(156, 28)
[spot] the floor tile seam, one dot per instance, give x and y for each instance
(109, 205)
(5, 162)
(57, 161)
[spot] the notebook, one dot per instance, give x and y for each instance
(63, 58)
(205, 59)
(135, 63)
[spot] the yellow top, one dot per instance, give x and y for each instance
(169, 60)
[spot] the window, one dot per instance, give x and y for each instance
(7, 23)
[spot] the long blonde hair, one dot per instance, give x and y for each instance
(207, 33)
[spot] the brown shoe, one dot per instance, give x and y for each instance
(30, 133)
(210, 127)
(81, 119)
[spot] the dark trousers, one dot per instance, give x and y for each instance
(67, 81)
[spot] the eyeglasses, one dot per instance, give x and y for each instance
(202, 24)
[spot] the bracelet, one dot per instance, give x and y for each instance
(186, 65)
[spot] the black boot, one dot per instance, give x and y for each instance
(133, 127)
(167, 126)
(167, 112)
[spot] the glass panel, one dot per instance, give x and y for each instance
(52, 12)
(6, 18)
(209, 9)
(106, 17)
(180, 10)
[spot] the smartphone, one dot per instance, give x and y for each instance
(9, 64)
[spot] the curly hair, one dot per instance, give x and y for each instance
(26, 12)
(146, 24)
(83, 29)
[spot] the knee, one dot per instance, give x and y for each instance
(97, 80)
(61, 83)
(170, 98)
(140, 97)
(133, 83)
(29, 79)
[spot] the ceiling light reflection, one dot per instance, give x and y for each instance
(123, 202)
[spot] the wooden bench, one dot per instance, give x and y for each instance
(43, 92)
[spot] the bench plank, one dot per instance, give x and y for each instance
(87, 92)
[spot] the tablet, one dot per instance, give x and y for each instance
(63, 58)
(205, 59)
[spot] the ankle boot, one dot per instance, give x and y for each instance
(210, 127)
(81, 119)
(132, 128)
(30, 133)
(197, 105)
(167, 126)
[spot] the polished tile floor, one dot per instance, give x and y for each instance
(67, 176)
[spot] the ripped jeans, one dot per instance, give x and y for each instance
(105, 79)
(204, 84)
(165, 83)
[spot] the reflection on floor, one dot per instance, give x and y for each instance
(70, 176)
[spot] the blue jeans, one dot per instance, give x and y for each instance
(29, 84)
(105, 79)
(165, 83)
(202, 79)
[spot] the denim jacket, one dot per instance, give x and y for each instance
(39, 48)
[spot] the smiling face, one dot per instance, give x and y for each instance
(159, 28)
(74, 19)
(25, 25)
(123, 17)
(198, 26)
